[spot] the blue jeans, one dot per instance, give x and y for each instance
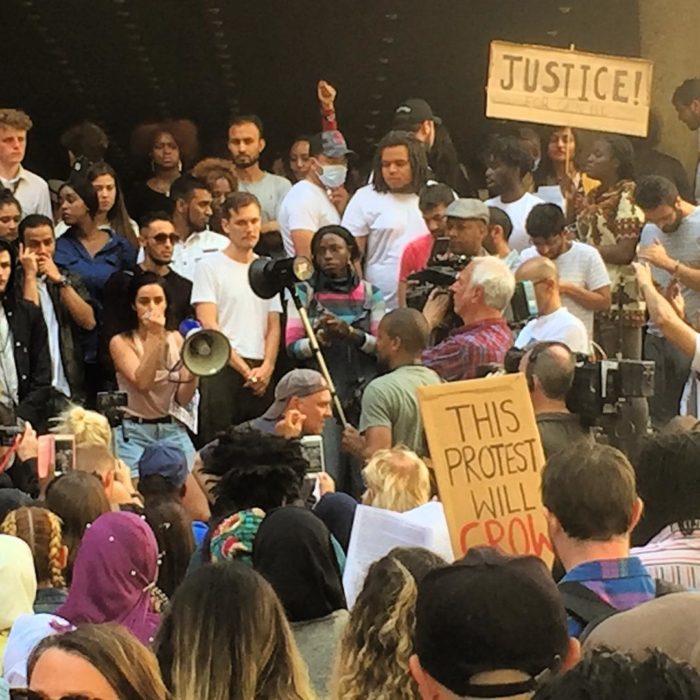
(140, 435)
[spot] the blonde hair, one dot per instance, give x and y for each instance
(15, 119)
(397, 479)
(372, 660)
(88, 427)
(41, 530)
(95, 458)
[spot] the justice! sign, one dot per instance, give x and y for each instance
(487, 457)
(545, 85)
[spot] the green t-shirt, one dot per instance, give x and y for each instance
(391, 401)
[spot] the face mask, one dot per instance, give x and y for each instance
(333, 176)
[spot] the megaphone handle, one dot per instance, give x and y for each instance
(318, 355)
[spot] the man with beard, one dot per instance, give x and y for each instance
(246, 143)
(390, 412)
(670, 241)
(507, 164)
(158, 241)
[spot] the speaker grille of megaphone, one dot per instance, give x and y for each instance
(204, 352)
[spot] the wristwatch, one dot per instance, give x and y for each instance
(63, 282)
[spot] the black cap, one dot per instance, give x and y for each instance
(413, 111)
(487, 612)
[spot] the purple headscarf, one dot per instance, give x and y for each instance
(114, 571)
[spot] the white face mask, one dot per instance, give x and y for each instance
(333, 176)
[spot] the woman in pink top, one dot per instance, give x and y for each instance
(147, 362)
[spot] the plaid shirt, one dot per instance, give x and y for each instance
(468, 347)
(622, 583)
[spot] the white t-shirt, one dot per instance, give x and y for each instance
(517, 212)
(306, 207)
(242, 314)
(580, 265)
(389, 222)
(270, 191)
(561, 326)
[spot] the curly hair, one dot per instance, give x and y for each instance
(210, 170)
(41, 530)
(372, 662)
(257, 471)
(397, 479)
(417, 157)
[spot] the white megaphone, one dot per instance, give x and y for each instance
(204, 352)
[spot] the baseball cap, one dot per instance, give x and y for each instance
(165, 459)
(489, 611)
(329, 143)
(413, 111)
(298, 382)
(468, 209)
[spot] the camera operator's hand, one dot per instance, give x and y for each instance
(29, 445)
(291, 425)
(326, 94)
(29, 261)
(436, 307)
(656, 254)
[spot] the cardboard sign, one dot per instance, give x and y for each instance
(544, 85)
(487, 456)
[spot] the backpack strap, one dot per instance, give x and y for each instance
(585, 606)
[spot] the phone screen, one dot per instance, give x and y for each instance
(64, 453)
(312, 449)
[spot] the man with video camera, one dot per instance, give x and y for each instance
(481, 293)
(549, 369)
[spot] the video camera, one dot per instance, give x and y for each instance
(599, 388)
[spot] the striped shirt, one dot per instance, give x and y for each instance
(673, 557)
(622, 583)
(460, 355)
(348, 307)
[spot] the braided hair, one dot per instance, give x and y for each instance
(41, 530)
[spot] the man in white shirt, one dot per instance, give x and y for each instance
(670, 241)
(319, 198)
(554, 322)
(498, 237)
(584, 283)
(192, 209)
(246, 143)
(224, 301)
(508, 162)
(29, 189)
(384, 215)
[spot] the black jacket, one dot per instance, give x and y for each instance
(32, 359)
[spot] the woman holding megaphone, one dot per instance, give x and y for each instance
(148, 367)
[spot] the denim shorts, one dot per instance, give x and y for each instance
(132, 438)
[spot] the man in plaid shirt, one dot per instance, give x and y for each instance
(481, 293)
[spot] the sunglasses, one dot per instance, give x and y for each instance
(165, 237)
(26, 694)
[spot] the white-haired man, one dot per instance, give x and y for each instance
(481, 293)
